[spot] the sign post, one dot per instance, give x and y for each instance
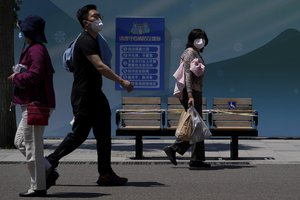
(140, 52)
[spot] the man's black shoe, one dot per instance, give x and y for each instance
(51, 178)
(34, 193)
(171, 153)
(111, 179)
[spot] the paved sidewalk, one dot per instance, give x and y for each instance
(251, 151)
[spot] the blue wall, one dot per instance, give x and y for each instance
(253, 52)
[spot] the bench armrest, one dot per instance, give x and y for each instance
(255, 118)
(118, 117)
(163, 117)
(210, 121)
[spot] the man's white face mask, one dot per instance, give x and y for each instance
(97, 25)
(199, 43)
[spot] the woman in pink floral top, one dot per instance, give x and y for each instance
(191, 96)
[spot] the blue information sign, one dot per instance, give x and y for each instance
(140, 51)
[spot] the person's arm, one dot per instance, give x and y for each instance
(108, 73)
(36, 73)
(188, 57)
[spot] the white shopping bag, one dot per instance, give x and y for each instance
(199, 129)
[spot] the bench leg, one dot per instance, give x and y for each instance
(138, 147)
(234, 148)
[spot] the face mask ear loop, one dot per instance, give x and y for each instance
(18, 22)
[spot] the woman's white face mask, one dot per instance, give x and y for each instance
(199, 43)
(97, 25)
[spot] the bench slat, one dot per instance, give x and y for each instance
(172, 116)
(141, 116)
(233, 128)
(231, 117)
(175, 106)
(236, 124)
(141, 107)
(174, 101)
(238, 107)
(141, 123)
(241, 101)
(141, 100)
(140, 128)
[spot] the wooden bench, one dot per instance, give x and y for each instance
(233, 117)
(140, 116)
(143, 116)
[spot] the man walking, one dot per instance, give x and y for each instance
(90, 106)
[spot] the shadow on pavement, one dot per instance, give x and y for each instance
(217, 167)
(222, 167)
(220, 159)
(76, 195)
(76, 185)
(135, 184)
(145, 184)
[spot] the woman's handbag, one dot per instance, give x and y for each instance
(197, 67)
(184, 128)
(37, 114)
